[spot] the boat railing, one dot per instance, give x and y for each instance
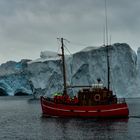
(121, 100)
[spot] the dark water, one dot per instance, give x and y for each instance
(20, 119)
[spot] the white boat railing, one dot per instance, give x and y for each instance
(121, 100)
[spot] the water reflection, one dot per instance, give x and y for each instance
(66, 128)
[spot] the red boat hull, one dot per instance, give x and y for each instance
(52, 109)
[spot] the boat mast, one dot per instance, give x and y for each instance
(64, 69)
(108, 68)
(107, 47)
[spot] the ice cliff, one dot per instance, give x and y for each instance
(83, 68)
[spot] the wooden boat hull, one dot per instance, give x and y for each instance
(52, 109)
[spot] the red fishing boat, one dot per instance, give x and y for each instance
(92, 101)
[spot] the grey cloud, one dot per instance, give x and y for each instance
(34, 25)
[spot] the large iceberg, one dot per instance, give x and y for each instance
(44, 75)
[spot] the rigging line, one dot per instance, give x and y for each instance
(78, 43)
(58, 41)
(68, 50)
(58, 50)
(103, 35)
(66, 41)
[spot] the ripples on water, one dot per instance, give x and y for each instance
(20, 119)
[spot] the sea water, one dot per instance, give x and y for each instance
(21, 119)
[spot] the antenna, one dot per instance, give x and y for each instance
(110, 40)
(106, 23)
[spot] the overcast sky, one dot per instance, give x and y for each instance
(28, 27)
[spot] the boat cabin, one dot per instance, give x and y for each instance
(96, 95)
